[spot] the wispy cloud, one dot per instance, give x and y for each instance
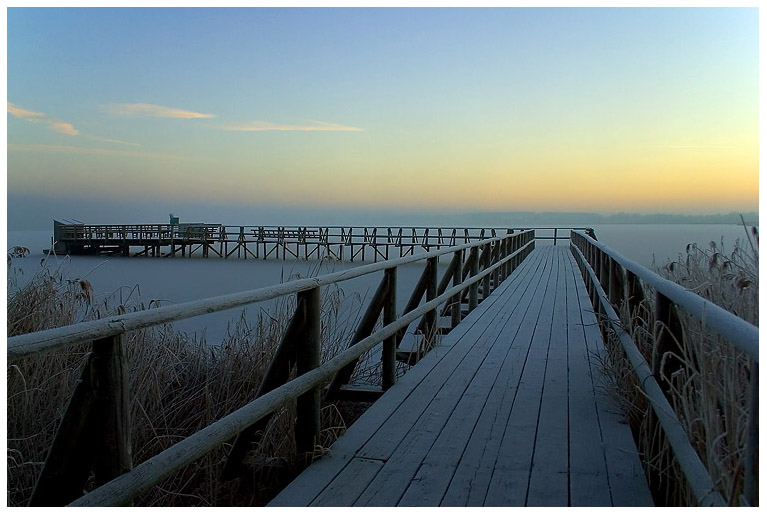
(270, 126)
(68, 149)
(112, 140)
(35, 117)
(153, 111)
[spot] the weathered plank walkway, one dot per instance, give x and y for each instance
(507, 411)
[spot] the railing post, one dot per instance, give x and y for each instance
(509, 250)
(277, 374)
(485, 258)
(613, 294)
(506, 251)
(364, 329)
(604, 273)
(111, 382)
(389, 352)
(95, 430)
(513, 247)
(474, 288)
(430, 318)
(598, 308)
(555, 236)
(455, 315)
(308, 358)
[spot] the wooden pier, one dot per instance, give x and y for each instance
(336, 243)
(508, 410)
(505, 407)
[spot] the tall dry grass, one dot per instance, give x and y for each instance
(179, 384)
(709, 391)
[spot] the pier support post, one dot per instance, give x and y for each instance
(389, 352)
(485, 264)
(474, 288)
(455, 314)
(308, 358)
(430, 318)
(94, 433)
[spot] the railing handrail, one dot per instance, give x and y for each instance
(50, 339)
(692, 467)
(125, 487)
(742, 334)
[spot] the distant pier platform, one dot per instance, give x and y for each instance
(337, 243)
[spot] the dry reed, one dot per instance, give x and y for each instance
(179, 384)
(709, 390)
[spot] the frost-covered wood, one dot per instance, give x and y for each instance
(94, 434)
(44, 341)
(695, 472)
(737, 331)
(389, 349)
(481, 420)
(307, 430)
(123, 489)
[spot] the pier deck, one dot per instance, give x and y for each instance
(509, 410)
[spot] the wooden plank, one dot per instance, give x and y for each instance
(589, 490)
(471, 479)
(349, 483)
(435, 472)
(589, 484)
(422, 417)
(628, 485)
(518, 442)
(455, 359)
(475, 407)
(548, 476)
(504, 412)
(301, 492)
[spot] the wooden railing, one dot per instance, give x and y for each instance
(614, 281)
(285, 242)
(94, 433)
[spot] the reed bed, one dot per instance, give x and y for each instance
(709, 388)
(179, 384)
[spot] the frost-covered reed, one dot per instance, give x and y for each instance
(179, 384)
(709, 390)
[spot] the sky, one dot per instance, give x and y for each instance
(451, 109)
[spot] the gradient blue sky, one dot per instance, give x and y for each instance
(639, 110)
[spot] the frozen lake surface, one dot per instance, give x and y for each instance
(179, 280)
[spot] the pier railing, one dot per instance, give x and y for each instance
(276, 242)
(614, 281)
(94, 433)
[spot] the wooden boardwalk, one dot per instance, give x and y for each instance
(507, 411)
